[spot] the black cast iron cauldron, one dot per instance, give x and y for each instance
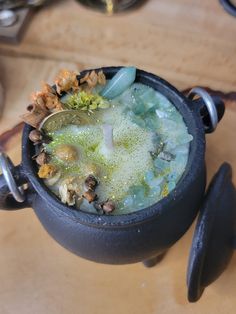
(148, 233)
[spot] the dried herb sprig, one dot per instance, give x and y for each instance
(86, 102)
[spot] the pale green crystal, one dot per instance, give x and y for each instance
(119, 83)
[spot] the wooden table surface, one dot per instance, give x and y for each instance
(188, 42)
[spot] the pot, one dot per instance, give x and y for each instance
(140, 236)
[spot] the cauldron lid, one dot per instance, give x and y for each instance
(213, 240)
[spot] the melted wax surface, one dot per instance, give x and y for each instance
(151, 147)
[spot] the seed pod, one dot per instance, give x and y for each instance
(108, 207)
(90, 196)
(35, 136)
(91, 182)
(42, 159)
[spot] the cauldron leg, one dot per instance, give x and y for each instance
(154, 260)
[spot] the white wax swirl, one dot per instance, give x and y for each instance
(108, 137)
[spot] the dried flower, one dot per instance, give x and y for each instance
(91, 182)
(67, 196)
(69, 191)
(101, 78)
(105, 207)
(108, 207)
(46, 171)
(52, 102)
(86, 102)
(37, 99)
(48, 89)
(92, 79)
(73, 183)
(47, 98)
(43, 103)
(65, 81)
(90, 196)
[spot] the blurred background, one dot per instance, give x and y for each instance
(187, 42)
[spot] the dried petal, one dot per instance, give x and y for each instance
(37, 98)
(108, 207)
(101, 78)
(65, 81)
(84, 79)
(58, 107)
(69, 191)
(46, 88)
(92, 79)
(73, 184)
(91, 182)
(67, 196)
(47, 98)
(52, 102)
(90, 196)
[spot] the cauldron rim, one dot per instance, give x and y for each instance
(196, 156)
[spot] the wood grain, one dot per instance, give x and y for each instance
(188, 42)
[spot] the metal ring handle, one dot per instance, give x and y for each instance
(197, 91)
(17, 193)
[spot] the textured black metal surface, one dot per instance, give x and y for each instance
(213, 240)
(229, 6)
(137, 236)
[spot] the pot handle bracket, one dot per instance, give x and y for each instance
(13, 194)
(211, 108)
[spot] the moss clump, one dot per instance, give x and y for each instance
(86, 102)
